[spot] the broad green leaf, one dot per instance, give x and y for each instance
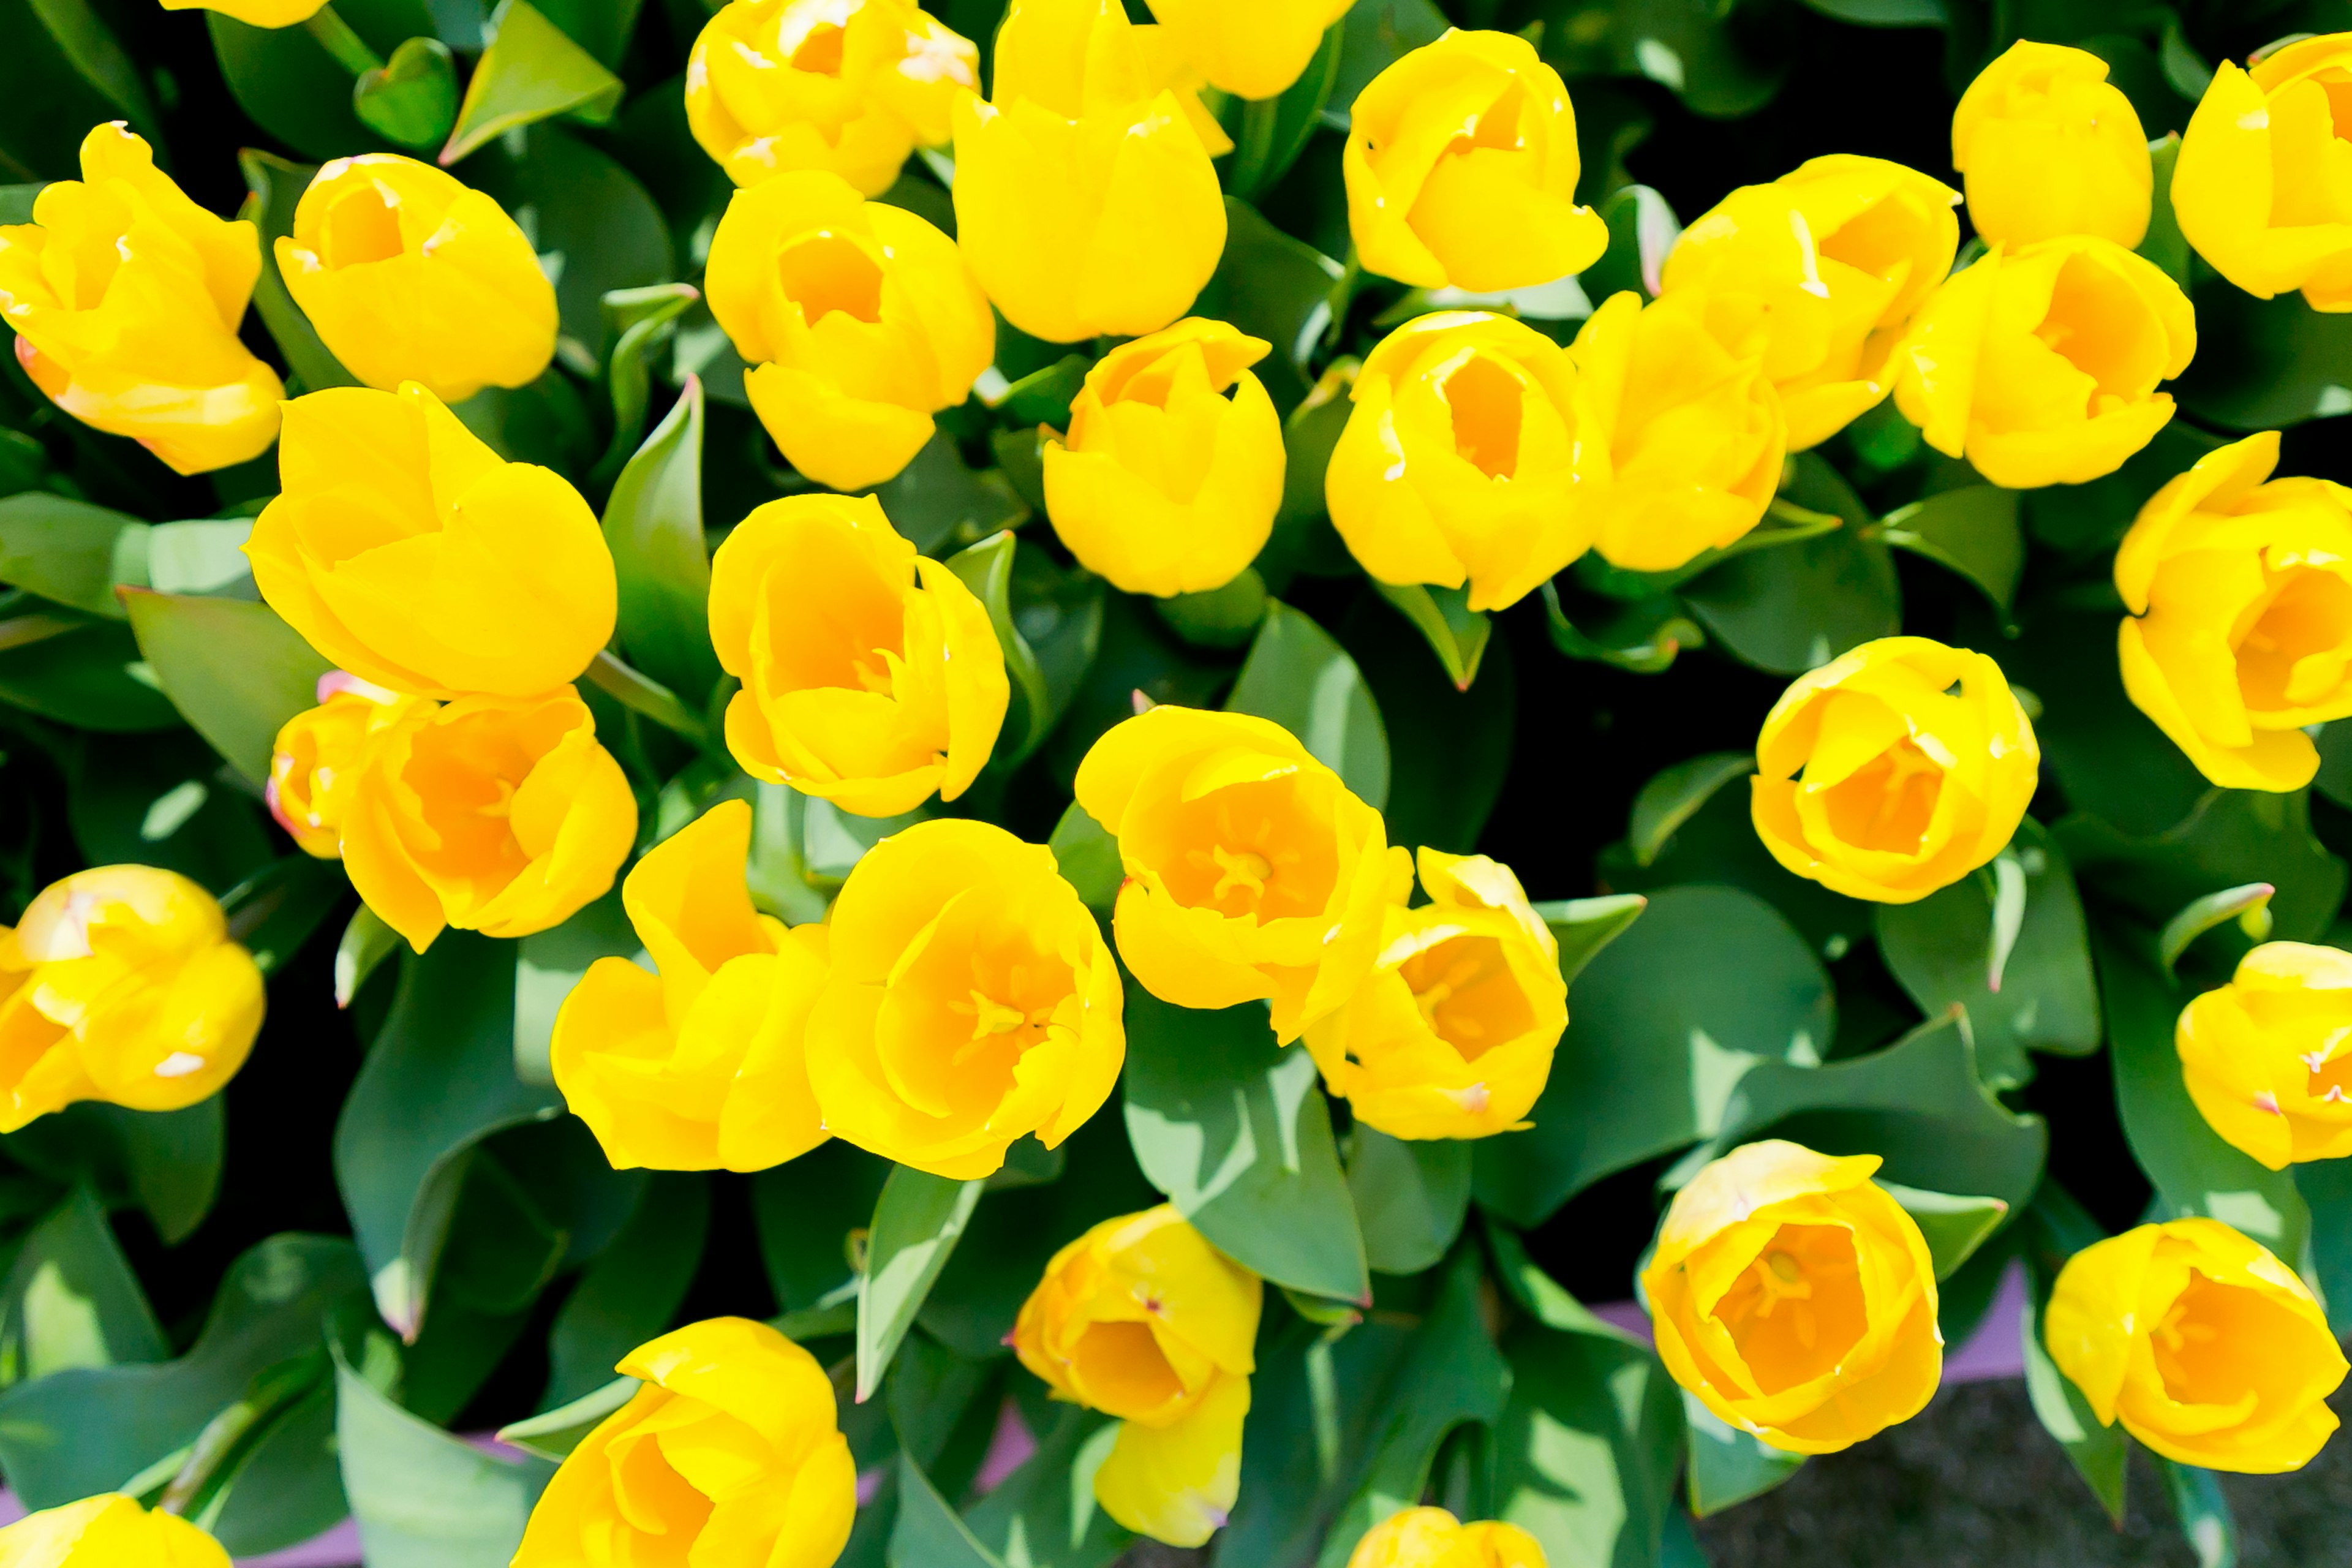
(2107, 755)
(987, 569)
(1953, 1224)
(1664, 1023)
(1218, 618)
(1410, 1197)
(633, 1291)
(555, 1433)
(1544, 1297)
(1973, 531)
(294, 87)
(549, 964)
(1796, 607)
(1449, 751)
(67, 551)
(1271, 286)
(63, 73)
(77, 670)
(1729, 1466)
(232, 668)
(2264, 363)
(2198, 1500)
(640, 320)
(2054, 1230)
(2087, 520)
(2232, 837)
(532, 71)
(411, 98)
(366, 942)
(274, 911)
(928, 1534)
(587, 216)
(1317, 1400)
(167, 1162)
(202, 556)
(1582, 927)
(654, 524)
(17, 205)
(1692, 49)
(1674, 793)
(1088, 858)
(1642, 228)
(1298, 676)
(1043, 396)
(1044, 1515)
(1586, 1448)
(2327, 1189)
(1886, 13)
(501, 1247)
(918, 1221)
(1455, 633)
(72, 1300)
(1304, 539)
(941, 506)
(274, 187)
(1274, 131)
(1134, 653)
(159, 800)
(1644, 636)
(1232, 1128)
(943, 1407)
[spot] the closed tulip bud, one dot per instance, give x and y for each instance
(2040, 365)
(2268, 1057)
(125, 297)
(847, 86)
(701, 1067)
(408, 552)
(1838, 253)
(2050, 147)
(1461, 167)
(860, 319)
(499, 814)
(120, 983)
(730, 1455)
(972, 1002)
(871, 677)
(1453, 1035)
(1249, 50)
(2256, 188)
(1252, 871)
(1796, 1300)
(108, 1530)
(1172, 473)
(1141, 1319)
(409, 276)
(1432, 1538)
(2208, 1349)
(1893, 770)
(1085, 199)
(318, 756)
(2241, 625)
(1693, 429)
(1466, 458)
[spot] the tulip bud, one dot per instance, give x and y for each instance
(731, 1453)
(126, 297)
(971, 1001)
(1085, 199)
(1141, 1319)
(701, 1068)
(1250, 50)
(1838, 253)
(1252, 871)
(1693, 429)
(120, 983)
(408, 552)
(2208, 1349)
(1796, 1300)
(1452, 1036)
(860, 320)
(501, 815)
(2256, 188)
(409, 276)
(2241, 625)
(318, 756)
(1466, 458)
(108, 1530)
(2268, 1057)
(2040, 365)
(1461, 167)
(1432, 1538)
(1893, 770)
(848, 87)
(2051, 147)
(1172, 473)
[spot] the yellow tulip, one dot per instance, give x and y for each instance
(501, 815)
(413, 556)
(126, 297)
(2258, 189)
(1466, 458)
(1085, 199)
(318, 755)
(2040, 365)
(971, 1001)
(729, 1457)
(701, 1068)
(1250, 50)
(1461, 167)
(2208, 1349)
(870, 677)
(1141, 1319)
(1252, 871)
(1172, 473)
(1893, 770)
(1432, 1538)
(1453, 1035)
(410, 276)
(860, 319)
(108, 1530)
(1694, 428)
(2050, 147)
(2268, 1057)
(120, 983)
(1838, 253)
(848, 87)
(2240, 588)
(1796, 1300)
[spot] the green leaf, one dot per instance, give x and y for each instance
(1044, 1515)
(2087, 520)
(602, 27)
(1588, 1447)
(2165, 244)
(1886, 13)
(1043, 396)
(1543, 1297)
(1642, 228)
(1275, 287)
(1796, 607)
(1582, 927)
(941, 506)
(1304, 539)
(168, 1163)
(1318, 1401)
(943, 1407)
(633, 1291)
(1134, 652)
(273, 911)
(63, 73)
(1456, 634)
(640, 320)
(806, 1212)
(1298, 675)
(67, 550)
(2056, 1229)
(1663, 1025)
(366, 942)
(654, 524)
(411, 99)
(530, 72)
(549, 964)
(160, 800)
(2233, 837)
(232, 668)
(918, 1221)
(2197, 1497)
(202, 556)
(2265, 364)
(1449, 749)
(295, 88)
(2108, 758)
(2327, 1189)
(1972, 531)
(1729, 1466)
(2250, 906)
(274, 187)
(1674, 792)
(987, 569)
(1410, 1197)
(72, 1300)
(1088, 858)
(1222, 618)
(1644, 636)
(598, 229)
(555, 1433)
(502, 1248)
(1954, 1226)
(1275, 132)
(1692, 48)
(928, 1534)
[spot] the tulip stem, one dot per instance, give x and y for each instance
(335, 36)
(1254, 150)
(643, 694)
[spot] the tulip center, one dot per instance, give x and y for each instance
(1486, 401)
(1244, 869)
(1799, 1306)
(2226, 1345)
(1251, 849)
(2298, 634)
(819, 51)
(2100, 326)
(1466, 994)
(361, 227)
(1887, 803)
(827, 272)
(1123, 1370)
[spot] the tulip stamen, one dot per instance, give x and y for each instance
(1243, 868)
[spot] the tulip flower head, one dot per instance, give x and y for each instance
(2050, 147)
(2268, 1057)
(316, 761)
(2255, 188)
(1432, 1538)
(108, 1530)
(1248, 49)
